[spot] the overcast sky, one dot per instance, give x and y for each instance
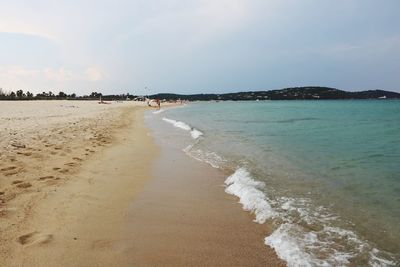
(198, 46)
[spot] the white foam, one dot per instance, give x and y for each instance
(376, 261)
(299, 246)
(296, 246)
(178, 124)
(249, 192)
(194, 133)
(287, 247)
(211, 158)
(299, 239)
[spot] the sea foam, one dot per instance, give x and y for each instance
(294, 240)
(194, 133)
(250, 195)
(209, 157)
(298, 247)
(287, 247)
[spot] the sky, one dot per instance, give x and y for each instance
(198, 46)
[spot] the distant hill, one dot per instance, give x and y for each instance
(294, 93)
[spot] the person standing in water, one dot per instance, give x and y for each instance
(158, 103)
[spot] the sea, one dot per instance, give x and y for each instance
(325, 175)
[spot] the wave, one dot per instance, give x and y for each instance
(305, 235)
(209, 157)
(179, 124)
(195, 133)
(191, 150)
(249, 192)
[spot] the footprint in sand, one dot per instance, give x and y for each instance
(17, 182)
(34, 238)
(71, 164)
(56, 168)
(49, 177)
(11, 173)
(25, 153)
(7, 196)
(24, 185)
(77, 159)
(8, 168)
(8, 171)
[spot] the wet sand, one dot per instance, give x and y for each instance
(183, 217)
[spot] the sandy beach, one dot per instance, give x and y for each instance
(83, 184)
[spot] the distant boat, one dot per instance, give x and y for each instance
(382, 97)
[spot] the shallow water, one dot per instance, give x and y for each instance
(325, 174)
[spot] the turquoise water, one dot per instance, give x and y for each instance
(329, 173)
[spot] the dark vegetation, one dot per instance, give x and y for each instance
(21, 95)
(294, 93)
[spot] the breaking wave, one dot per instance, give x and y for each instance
(179, 124)
(305, 235)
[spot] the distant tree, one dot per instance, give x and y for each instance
(20, 94)
(12, 95)
(42, 95)
(95, 95)
(62, 95)
(72, 95)
(29, 95)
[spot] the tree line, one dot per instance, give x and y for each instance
(21, 95)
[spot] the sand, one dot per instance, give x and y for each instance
(183, 217)
(83, 184)
(66, 170)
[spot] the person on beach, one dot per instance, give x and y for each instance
(158, 103)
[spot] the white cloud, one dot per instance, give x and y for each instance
(17, 77)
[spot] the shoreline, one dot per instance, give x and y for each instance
(105, 198)
(263, 147)
(185, 215)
